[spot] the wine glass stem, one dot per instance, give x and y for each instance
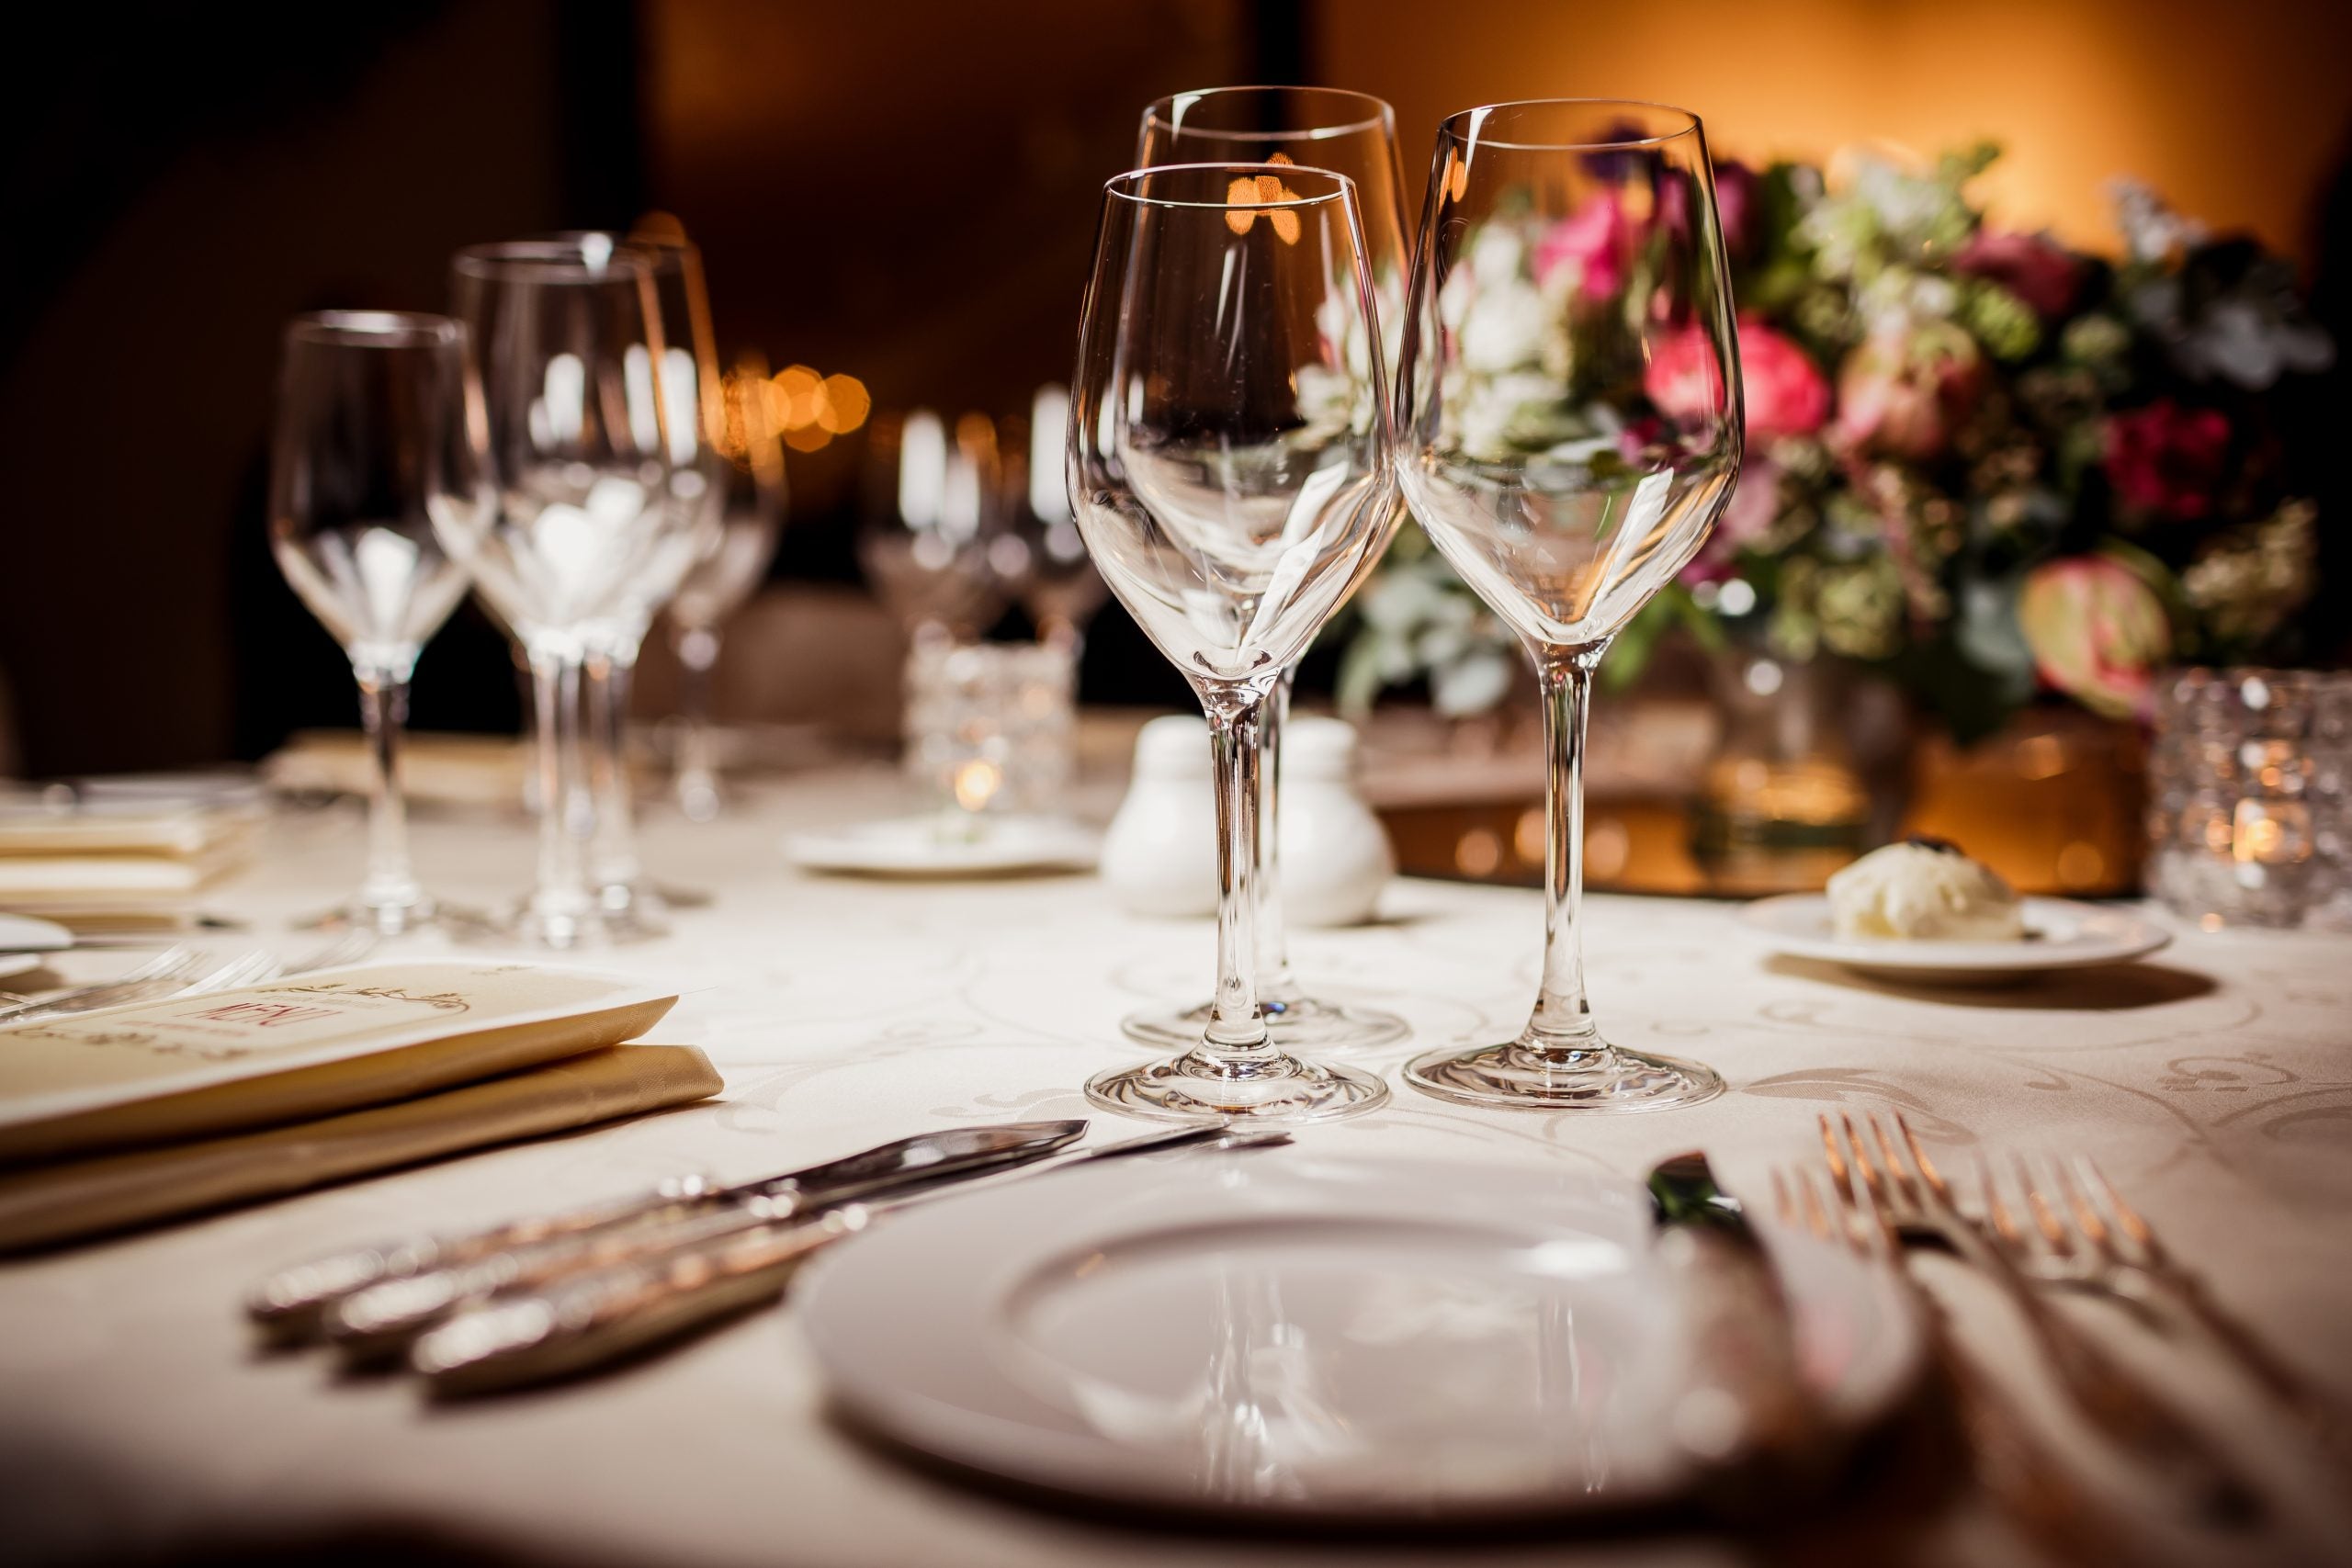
(614, 848)
(1563, 1019)
(1273, 949)
(555, 706)
(1236, 1038)
(383, 712)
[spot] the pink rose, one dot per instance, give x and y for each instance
(2098, 630)
(1747, 517)
(1904, 389)
(2168, 460)
(1597, 237)
(1685, 377)
(1739, 201)
(2034, 267)
(1785, 392)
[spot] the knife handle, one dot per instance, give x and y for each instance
(588, 1319)
(292, 1303)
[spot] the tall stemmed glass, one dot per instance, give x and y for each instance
(565, 337)
(751, 515)
(371, 436)
(1231, 474)
(1568, 429)
(1355, 135)
(694, 405)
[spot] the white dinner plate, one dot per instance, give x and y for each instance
(2059, 934)
(1274, 1332)
(23, 933)
(939, 846)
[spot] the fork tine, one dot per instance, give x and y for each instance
(1928, 1174)
(2137, 1240)
(2074, 1201)
(1898, 1174)
(2053, 1229)
(1782, 1205)
(1861, 1155)
(1997, 1212)
(1839, 1173)
(1817, 1215)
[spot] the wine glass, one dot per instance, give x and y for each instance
(1045, 564)
(1568, 428)
(693, 404)
(566, 339)
(1352, 134)
(924, 531)
(751, 515)
(1231, 473)
(370, 437)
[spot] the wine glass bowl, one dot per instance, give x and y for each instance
(1230, 473)
(1568, 429)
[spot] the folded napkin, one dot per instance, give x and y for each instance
(440, 769)
(296, 1048)
(130, 857)
(66, 1201)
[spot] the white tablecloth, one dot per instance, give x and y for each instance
(2214, 1085)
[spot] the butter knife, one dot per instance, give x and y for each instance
(295, 1303)
(1745, 1413)
(587, 1319)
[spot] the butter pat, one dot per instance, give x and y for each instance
(1924, 890)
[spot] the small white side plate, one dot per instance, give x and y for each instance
(1277, 1333)
(935, 846)
(22, 933)
(2059, 934)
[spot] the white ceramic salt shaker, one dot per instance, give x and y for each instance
(1335, 854)
(1159, 857)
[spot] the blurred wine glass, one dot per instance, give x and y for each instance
(1569, 429)
(931, 506)
(692, 397)
(565, 337)
(1041, 557)
(1231, 473)
(750, 516)
(1346, 133)
(371, 438)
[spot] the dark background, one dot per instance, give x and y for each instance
(903, 192)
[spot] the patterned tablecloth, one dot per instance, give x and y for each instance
(2214, 1084)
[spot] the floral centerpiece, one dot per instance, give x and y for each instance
(1977, 461)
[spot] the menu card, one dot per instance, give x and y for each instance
(299, 1047)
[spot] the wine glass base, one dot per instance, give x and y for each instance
(1293, 1023)
(381, 919)
(1518, 1076)
(1190, 1088)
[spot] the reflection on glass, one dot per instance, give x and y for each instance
(370, 438)
(1346, 133)
(1230, 468)
(1569, 430)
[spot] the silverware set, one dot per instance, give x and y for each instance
(551, 1295)
(2027, 1226)
(184, 971)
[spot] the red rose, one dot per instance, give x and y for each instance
(2034, 267)
(2166, 459)
(1786, 393)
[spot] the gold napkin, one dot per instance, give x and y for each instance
(83, 1197)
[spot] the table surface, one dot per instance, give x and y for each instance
(2213, 1084)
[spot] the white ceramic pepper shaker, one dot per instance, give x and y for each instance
(1335, 854)
(1159, 855)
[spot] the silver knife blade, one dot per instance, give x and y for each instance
(585, 1319)
(1748, 1413)
(291, 1303)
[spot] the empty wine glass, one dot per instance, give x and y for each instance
(566, 339)
(930, 508)
(1346, 133)
(1231, 473)
(1045, 563)
(1568, 429)
(751, 515)
(692, 400)
(370, 437)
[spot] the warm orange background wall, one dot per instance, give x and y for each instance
(2236, 109)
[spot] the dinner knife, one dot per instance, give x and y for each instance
(293, 1304)
(587, 1319)
(1746, 1413)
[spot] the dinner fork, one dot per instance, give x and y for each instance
(2017, 1472)
(171, 967)
(2071, 1227)
(1907, 1191)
